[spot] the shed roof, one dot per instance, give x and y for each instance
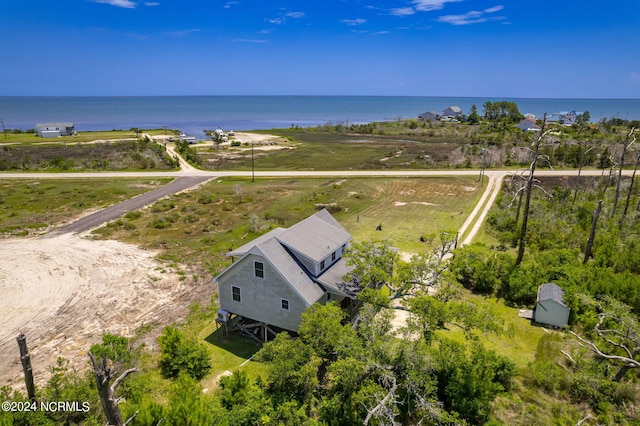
(551, 291)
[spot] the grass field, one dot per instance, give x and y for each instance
(199, 226)
(31, 206)
(307, 150)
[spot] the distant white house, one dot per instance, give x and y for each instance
(188, 139)
(54, 130)
(278, 275)
(550, 307)
(452, 111)
(565, 117)
(528, 125)
(430, 116)
(531, 116)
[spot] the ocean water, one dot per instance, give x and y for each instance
(193, 114)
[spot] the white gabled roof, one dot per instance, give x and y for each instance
(290, 270)
(316, 236)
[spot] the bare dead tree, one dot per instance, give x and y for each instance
(26, 366)
(629, 192)
(626, 144)
(103, 375)
(592, 234)
(618, 334)
(384, 409)
(528, 189)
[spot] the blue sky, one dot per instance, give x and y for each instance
(497, 48)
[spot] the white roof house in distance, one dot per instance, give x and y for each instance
(54, 130)
(550, 308)
(528, 125)
(430, 115)
(564, 117)
(452, 111)
(278, 275)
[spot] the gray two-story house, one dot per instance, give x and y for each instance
(276, 277)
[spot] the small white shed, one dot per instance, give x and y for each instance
(550, 308)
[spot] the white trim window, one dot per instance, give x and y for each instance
(258, 268)
(235, 294)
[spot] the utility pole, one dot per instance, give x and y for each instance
(253, 171)
(480, 178)
(26, 366)
(3, 129)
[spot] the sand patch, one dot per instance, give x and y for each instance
(64, 292)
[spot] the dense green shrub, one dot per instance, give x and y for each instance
(182, 354)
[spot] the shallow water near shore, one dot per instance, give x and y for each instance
(193, 114)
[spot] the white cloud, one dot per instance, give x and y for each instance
(472, 17)
(380, 33)
(230, 3)
(429, 5)
(295, 15)
(276, 21)
(151, 3)
(354, 22)
(127, 4)
(402, 11)
(184, 33)
(494, 9)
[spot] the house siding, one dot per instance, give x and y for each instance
(261, 298)
(552, 313)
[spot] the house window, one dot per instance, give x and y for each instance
(259, 268)
(235, 292)
(344, 247)
(333, 256)
(322, 265)
(328, 297)
(284, 303)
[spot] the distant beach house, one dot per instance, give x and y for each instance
(278, 275)
(564, 117)
(550, 307)
(528, 125)
(54, 130)
(531, 116)
(188, 139)
(452, 111)
(430, 116)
